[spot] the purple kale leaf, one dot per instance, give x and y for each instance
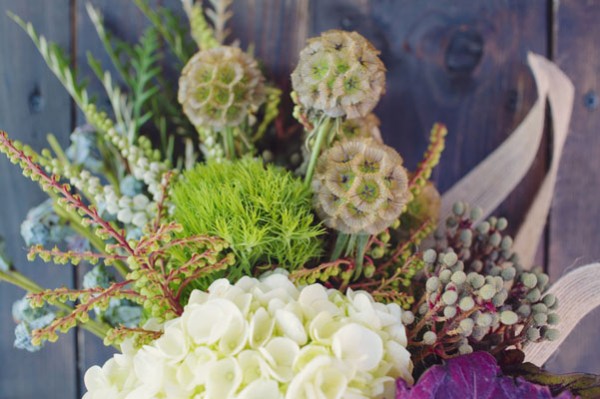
(475, 376)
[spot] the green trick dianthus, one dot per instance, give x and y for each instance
(263, 212)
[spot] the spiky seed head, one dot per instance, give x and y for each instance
(221, 87)
(360, 187)
(339, 73)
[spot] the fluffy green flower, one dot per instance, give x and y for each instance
(263, 212)
(266, 339)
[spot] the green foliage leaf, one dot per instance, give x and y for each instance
(586, 386)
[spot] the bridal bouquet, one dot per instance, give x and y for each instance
(228, 264)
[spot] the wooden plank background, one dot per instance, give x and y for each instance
(448, 60)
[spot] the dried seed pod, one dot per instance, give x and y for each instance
(360, 187)
(340, 74)
(221, 87)
(357, 128)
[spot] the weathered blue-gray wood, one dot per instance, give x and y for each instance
(32, 104)
(574, 221)
(125, 22)
(451, 61)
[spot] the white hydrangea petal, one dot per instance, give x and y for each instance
(252, 364)
(331, 383)
(356, 344)
(208, 322)
(280, 353)
(291, 326)
(173, 344)
(308, 354)
(198, 297)
(219, 287)
(235, 337)
(261, 328)
(399, 357)
(322, 327)
(246, 283)
(261, 389)
(148, 366)
(279, 281)
(95, 379)
(223, 379)
(313, 343)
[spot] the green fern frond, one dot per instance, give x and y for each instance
(170, 28)
(146, 70)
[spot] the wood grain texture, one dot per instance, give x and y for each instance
(574, 227)
(127, 23)
(32, 104)
(458, 62)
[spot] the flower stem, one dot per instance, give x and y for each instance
(322, 133)
(13, 277)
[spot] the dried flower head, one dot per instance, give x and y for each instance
(367, 127)
(360, 187)
(220, 87)
(339, 73)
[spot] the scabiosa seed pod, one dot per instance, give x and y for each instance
(339, 73)
(360, 187)
(220, 87)
(367, 127)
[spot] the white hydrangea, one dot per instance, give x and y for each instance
(265, 339)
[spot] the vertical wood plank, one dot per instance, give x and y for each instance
(125, 22)
(32, 104)
(574, 227)
(462, 63)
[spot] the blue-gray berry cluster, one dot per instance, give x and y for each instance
(477, 295)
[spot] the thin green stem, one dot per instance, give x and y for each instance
(60, 154)
(95, 241)
(17, 279)
(341, 243)
(323, 131)
(229, 143)
(361, 246)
